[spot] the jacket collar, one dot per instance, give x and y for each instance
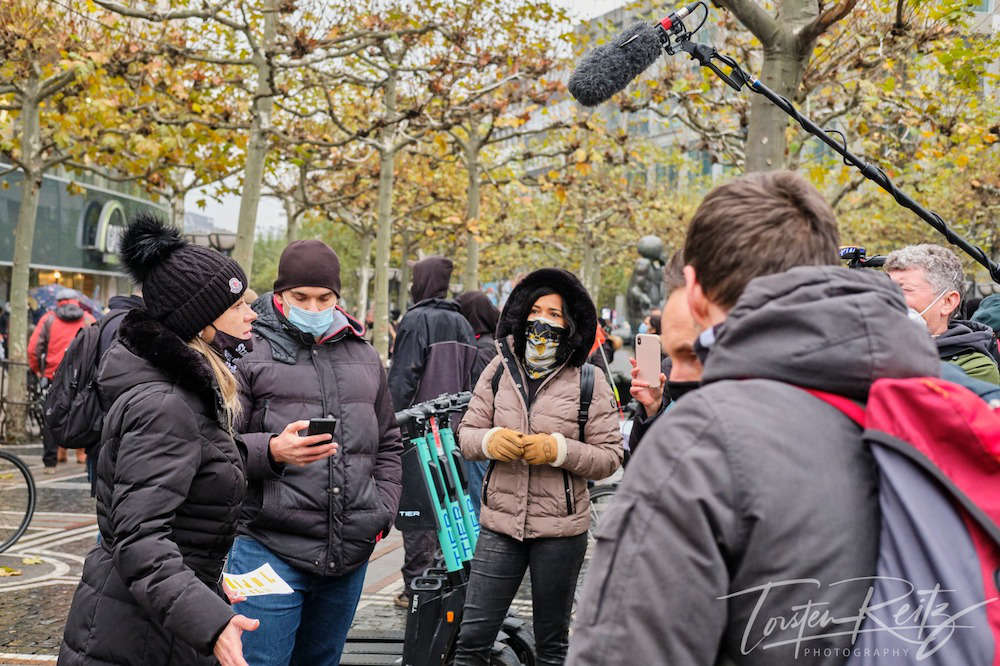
(437, 303)
(170, 356)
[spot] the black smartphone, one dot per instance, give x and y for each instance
(322, 427)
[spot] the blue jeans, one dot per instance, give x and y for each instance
(475, 471)
(307, 627)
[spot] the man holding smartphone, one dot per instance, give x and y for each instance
(319, 521)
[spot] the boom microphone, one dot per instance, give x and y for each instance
(609, 68)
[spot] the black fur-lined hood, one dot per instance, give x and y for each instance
(577, 302)
(147, 351)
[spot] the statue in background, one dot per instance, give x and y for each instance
(645, 288)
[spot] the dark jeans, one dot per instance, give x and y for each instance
(497, 570)
(419, 548)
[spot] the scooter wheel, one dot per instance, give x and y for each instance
(505, 657)
(522, 642)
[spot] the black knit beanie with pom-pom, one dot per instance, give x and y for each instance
(184, 286)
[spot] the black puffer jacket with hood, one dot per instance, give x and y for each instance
(483, 316)
(435, 348)
(170, 485)
(322, 518)
(750, 481)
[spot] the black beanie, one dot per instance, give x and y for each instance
(308, 263)
(184, 286)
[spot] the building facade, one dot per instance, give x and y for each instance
(76, 235)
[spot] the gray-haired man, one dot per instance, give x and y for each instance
(931, 278)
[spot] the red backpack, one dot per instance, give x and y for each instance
(935, 597)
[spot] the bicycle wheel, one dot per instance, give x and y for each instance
(600, 498)
(17, 499)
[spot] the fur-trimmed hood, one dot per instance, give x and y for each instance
(147, 351)
(578, 306)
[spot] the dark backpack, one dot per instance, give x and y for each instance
(74, 416)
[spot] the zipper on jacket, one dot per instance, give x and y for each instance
(567, 485)
(486, 480)
(263, 414)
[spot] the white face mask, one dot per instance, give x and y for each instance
(918, 317)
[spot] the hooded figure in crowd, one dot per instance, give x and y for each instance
(535, 502)
(988, 313)
(434, 353)
(483, 317)
(435, 347)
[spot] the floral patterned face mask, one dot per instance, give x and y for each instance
(542, 344)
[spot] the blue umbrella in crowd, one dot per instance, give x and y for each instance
(42, 299)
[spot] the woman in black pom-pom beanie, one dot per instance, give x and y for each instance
(171, 477)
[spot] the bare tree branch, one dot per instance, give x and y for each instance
(208, 13)
(55, 83)
(756, 19)
(810, 32)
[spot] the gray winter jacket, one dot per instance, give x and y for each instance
(322, 518)
(750, 481)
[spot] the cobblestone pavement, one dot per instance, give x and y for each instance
(34, 605)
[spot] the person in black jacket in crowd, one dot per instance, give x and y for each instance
(170, 478)
(435, 353)
(319, 522)
(483, 316)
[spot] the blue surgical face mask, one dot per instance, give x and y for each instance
(314, 323)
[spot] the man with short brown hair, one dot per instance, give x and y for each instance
(752, 500)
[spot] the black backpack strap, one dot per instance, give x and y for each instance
(495, 383)
(42, 346)
(586, 396)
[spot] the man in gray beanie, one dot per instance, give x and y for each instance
(320, 520)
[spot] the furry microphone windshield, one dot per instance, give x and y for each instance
(609, 68)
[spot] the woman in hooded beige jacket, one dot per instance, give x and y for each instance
(535, 504)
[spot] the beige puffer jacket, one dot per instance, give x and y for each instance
(530, 501)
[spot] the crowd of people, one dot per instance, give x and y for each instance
(739, 478)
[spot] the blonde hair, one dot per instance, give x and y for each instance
(223, 377)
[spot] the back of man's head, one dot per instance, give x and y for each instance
(759, 224)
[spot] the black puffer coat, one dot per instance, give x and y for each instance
(170, 484)
(322, 518)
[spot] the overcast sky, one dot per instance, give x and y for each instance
(271, 217)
